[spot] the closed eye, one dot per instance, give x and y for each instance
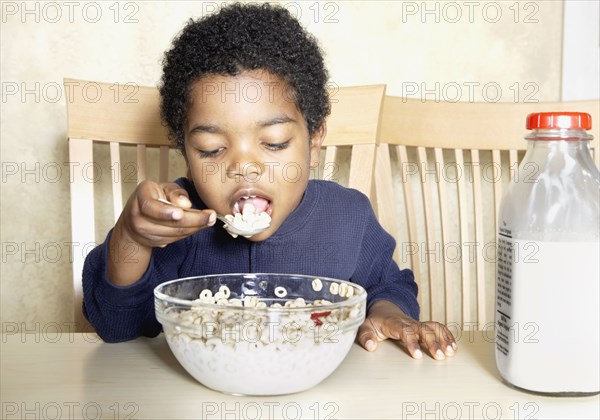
(277, 146)
(210, 153)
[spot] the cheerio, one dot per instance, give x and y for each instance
(547, 295)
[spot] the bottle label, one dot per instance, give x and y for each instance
(504, 290)
(547, 301)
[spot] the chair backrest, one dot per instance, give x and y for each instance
(353, 124)
(440, 172)
(116, 140)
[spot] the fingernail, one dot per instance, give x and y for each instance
(454, 346)
(370, 345)
(418, 354)
(439, 354)
(449, 351)
(212, 219)
(183, 200)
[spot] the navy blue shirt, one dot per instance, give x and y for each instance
(332, 233)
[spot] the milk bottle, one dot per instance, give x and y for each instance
(547, 295)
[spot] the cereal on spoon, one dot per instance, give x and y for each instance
(246, 221)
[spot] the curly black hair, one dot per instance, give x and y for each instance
(244, 37)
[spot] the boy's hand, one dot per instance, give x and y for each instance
(146, 223)
(385, 320)
(151, 223)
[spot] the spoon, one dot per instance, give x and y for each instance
(233, 229)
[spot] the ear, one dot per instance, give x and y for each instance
(315, 145)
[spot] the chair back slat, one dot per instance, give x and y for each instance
(117, 190)
(444, 212)
(463, 217)
(141, 163)
(330, 165)
(163, 171)
(411, 246)
(430, 244)
(513, 159)
(361, 168)
(82, 220)
(479, 237)
(385, 212)
(497, 177)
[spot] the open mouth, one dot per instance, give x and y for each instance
(260, 204)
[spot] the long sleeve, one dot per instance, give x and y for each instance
(378, 272)
(124, 313)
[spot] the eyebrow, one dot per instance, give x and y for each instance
(277, 120)
(203, 128)
(208, 128)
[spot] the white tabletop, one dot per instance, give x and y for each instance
(72, 376)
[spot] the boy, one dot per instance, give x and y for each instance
(236, 147)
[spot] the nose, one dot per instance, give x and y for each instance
(244, 163)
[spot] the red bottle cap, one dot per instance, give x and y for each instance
(557, 120)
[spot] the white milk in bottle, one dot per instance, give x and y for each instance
(547, 294)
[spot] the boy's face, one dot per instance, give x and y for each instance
(246, 142)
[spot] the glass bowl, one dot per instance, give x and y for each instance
(260, 334)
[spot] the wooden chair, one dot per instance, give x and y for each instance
(451, 162)
(116, 140)
(354, 125)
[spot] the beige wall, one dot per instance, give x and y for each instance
(476, 58)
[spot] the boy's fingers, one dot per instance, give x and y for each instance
(147, 196)
(367, 336)
(166, 232)
(434, 337)
(443, 337)
(198, 218)
(160, 233)
(177, 195)
(151, 208)
(410, 338)
(190, 222)
(430, 340)
(449, 342)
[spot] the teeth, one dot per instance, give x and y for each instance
(245, 197)
(236, 207)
